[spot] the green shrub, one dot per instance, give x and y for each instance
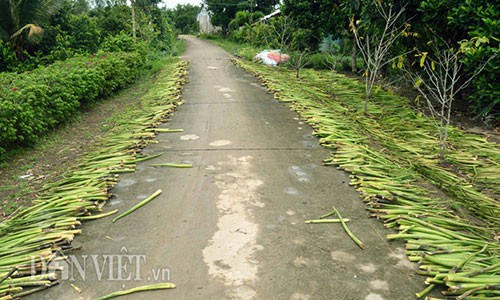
(7, 56)
(246, 52)
(31, 103)
(321, 61)
(484, 101)
(124, 42)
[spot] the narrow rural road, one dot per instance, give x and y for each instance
(232, 227)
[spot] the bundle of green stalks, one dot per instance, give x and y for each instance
(446, 211)
(33, 239)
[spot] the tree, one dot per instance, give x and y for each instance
(145, 7)
(134, 21)
(241, 18)
(264, 6)
(21, 21)
(164, 27)
(479, 19)
(319, 17)
(298, 60)
(285, 36)
(283, 28)
(112, 19)
(452, 21)
(375, 44)
(223, 11)
(184, 18)
(441, 81)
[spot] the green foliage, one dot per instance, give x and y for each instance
(242, 34)
(433, 19)
(243, 18)
(184, 18)
(329, 45)
(449, 21)
(247, 52)
(165, 40)
(318, 18)
(87, 52)
(486, 99)
(224, 11)
(84, 32)
(210, 36)
(20, 21)
(482, 43)
(34, 102)
(277, 33)
(473, 23)
(323, 61)
(76, 29)
(123, 42)
(7, 57)
(113, 19)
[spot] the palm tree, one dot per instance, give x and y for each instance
(21, 21)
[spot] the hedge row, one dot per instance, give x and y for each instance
(34, 102)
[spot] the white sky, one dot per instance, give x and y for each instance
(173, 3)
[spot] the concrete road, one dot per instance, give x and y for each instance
(232, 227)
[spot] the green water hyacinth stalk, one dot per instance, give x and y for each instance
(393, 161)
(138, 205)
(34, 236)
(152, 287)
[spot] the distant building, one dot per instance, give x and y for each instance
(204, 19)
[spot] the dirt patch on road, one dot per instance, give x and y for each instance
(230, 254)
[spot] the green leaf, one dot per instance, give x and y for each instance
(422, 58)
(418, 82)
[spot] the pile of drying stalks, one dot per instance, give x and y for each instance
(447, 211)
(33, 239)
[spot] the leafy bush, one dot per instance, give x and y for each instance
(322, 61)
(482, 46)
(31, 103)
(484, 100)
(329, 45)
(246, 52)
(7, 57)
(123, 42)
